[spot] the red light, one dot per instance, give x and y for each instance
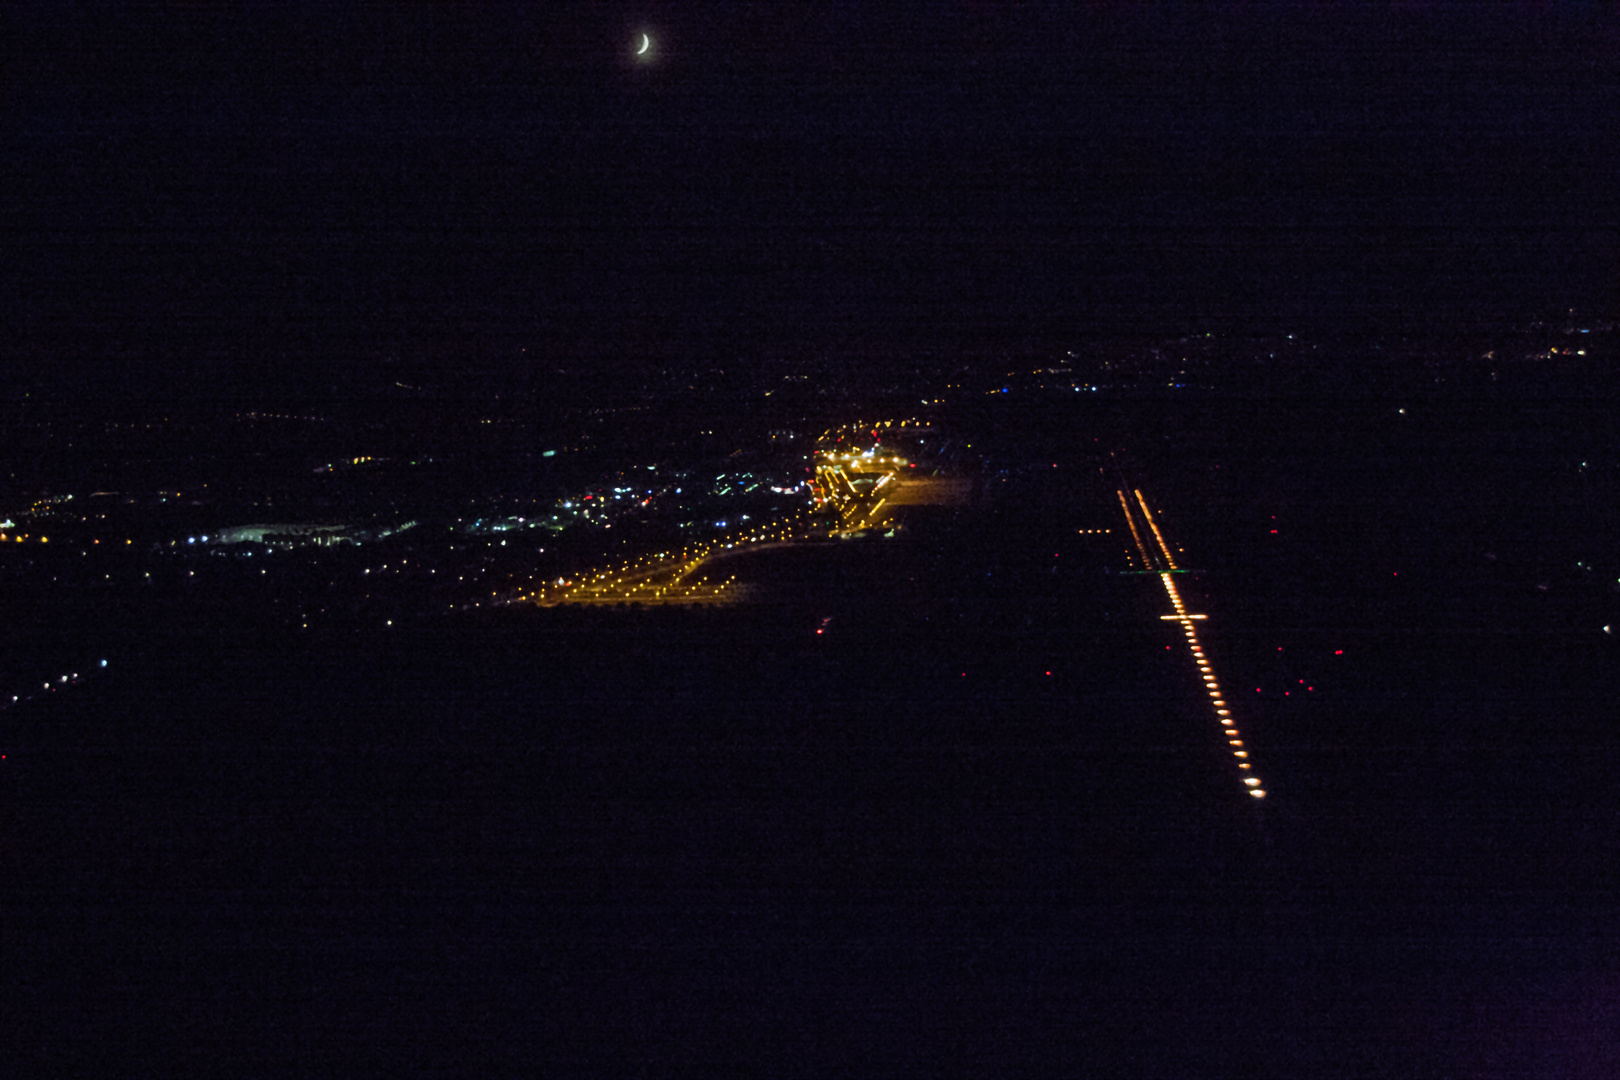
(1338, 652)
(818, 631)
(1273, 532)
(1049, 671)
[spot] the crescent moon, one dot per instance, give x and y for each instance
(646, 43)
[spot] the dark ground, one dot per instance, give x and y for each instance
(615, 843)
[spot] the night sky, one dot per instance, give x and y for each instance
(250, 186)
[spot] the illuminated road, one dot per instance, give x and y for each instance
(669, 577)
(855, 488)
(1157, 557)
(689, 576)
